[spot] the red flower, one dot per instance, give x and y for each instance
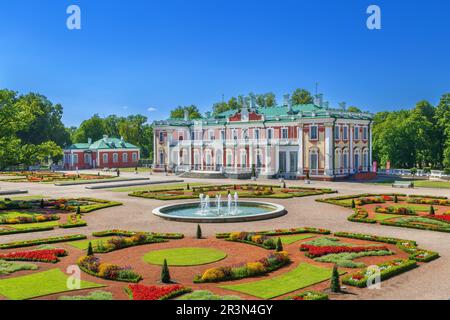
(316, 251)
(142, 292)
(37, 255)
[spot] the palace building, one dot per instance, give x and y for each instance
(104, 153)
(281, 141)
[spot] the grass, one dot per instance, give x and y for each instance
(184, 256)
(206, 295)
(23, 226)
(295, 238)
(303, 276)
(346, 259)
(386, 216)
(415, 207)
(158, 187)
(95, 295)
(38, 284)
(83, 244)
(418, 183)
(8, 267)
(16, 214)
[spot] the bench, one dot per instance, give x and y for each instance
(403, 184)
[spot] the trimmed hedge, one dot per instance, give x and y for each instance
(126, 233)
(360, 215)
(27, 230)
(29, 243)
(280, 232)
(394, 267)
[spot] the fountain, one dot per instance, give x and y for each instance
(231, 210)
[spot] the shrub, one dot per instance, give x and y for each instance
(199, 232)
(90, 251)
(29, 243)
(93, 266)
(432, 211)
(353, 204)
(335, 282)
(165, 274)
(279, 245)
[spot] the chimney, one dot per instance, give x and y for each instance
(318, 100)
(286, 100)
(89, 141)
(186, 115)
(105, 137)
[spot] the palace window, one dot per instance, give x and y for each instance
(345, 133)
(75, 159)
(365, 133)
(124, 157)
(105, 158)
(270, 133)
(115, 158)
(284, 133)
(257, 134)
(211, 135)
(222, 135)
(313, 160)
(337, 133)
(345, 159)
(161, 136)
(135, 157)
(229, 158)
(313, 133)
(356, 133)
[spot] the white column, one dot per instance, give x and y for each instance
(168, 153)
(350, 149)
(155, 153)
(267, 160)
(300, 150)
(328, 150)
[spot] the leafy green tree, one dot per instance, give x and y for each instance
(93, 128)
(302, 96)
(354, 109)
(442, 117)
(193, 111)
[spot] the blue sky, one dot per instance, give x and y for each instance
(134, 55)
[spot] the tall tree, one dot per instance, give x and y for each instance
(442, 117)
(302, 96)
(93, 128)
(193, 111)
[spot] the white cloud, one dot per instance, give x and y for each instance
(151, 109)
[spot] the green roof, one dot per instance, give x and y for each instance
(276, 113)
(104, 144)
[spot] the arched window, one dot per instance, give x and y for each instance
(125, 157)
(345, 161)
(105, 158)
(357, 159)
(243, 158)
(365, 160)
(229, 158)
(313, 160)
(208, 158)
(115, 157)
(338, 160)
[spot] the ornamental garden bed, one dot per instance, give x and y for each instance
(49, 177)
(417, 212)
(243, 191)
(234, 268)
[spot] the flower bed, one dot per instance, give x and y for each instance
(32, 218)
(318, 251)
(430, 201)
(420, 223)
(29, 243)
(125, 233)
(259, 240)
(360, 215)
(408, 246)
(387, 270)
(309, 295)
(444, 217)
(280, 232)
(344, 201)
(4, 232)
(93, 266)
(73, 221)
(396, 210)
(141, 292)
(50, 256)
(118, 243)
(265, 265)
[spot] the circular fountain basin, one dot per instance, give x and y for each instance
(245, 211)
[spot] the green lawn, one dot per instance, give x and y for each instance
(16, 214)
(415, 207)
(184, 256)
(303, 276)
(158, 187)
(386, 216)
(295, 238)
(418, 183)
(22, 226)
(83, 244)
(38, 284)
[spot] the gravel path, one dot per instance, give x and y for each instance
(430, 281)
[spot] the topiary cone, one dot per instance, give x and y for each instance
(279, 245)
(335, 282)
(165, 274)
(90, 251)
(199, 232)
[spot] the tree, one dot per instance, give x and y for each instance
(432, 212)
(353, 204)
(199, 232)
(165, 274)
(354, 109)
(93, 128)
(335, 281)
(266, 100)
(442, 118)
(90, 250)
(193, 112)
(395, 199)
(302, 96)
(279, 246)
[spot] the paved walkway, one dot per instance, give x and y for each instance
(430, 281)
